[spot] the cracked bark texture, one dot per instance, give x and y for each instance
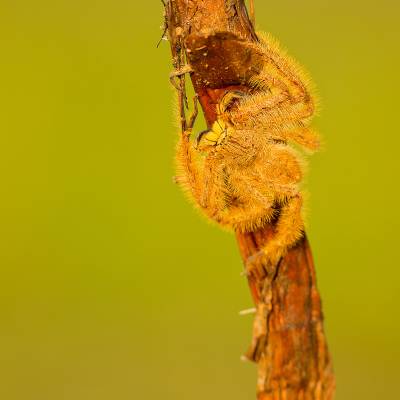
(295, 363)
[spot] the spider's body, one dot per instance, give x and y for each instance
(244, 171)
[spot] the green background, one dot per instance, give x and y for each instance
(111, 286)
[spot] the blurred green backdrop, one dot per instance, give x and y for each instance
(111, 286)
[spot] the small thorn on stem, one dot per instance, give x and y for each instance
(248, 311)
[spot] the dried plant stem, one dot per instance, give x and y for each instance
(295, 362)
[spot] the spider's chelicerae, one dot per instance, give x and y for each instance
(245, 172)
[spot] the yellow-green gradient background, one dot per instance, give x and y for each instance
(111, 286)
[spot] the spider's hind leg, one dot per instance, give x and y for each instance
(288, 230)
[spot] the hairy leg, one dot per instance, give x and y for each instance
(267, 110)
(280, 64)
(272, 169)
(288, 230)
(222, 198)
(207, 183)
(190, 176)
(249, 209)
(281, 91)
(296, 132)
(247, 216)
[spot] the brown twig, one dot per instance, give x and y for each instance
(295, 363)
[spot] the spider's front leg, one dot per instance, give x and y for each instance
(202, 177)
(280, 99)
(190, 175)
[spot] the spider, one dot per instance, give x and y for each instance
(245, 171)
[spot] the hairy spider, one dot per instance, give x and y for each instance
(244, 172)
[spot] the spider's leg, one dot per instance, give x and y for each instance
(289, 229)
(190, 173)
(296, 132)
